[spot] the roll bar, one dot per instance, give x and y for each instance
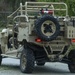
(31, 7)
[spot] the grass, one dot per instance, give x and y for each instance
(8, 67)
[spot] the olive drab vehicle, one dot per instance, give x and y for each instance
(39, 32)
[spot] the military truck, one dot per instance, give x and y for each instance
(39, 32)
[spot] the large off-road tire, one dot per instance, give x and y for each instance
(27, 61)
(71, 65)
(47, 28)
(0, 56)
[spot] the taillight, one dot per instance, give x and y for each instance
(38, 40)
(73, 40)
(47, 11)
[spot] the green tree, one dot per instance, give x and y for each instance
(15, 3)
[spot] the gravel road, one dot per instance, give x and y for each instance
(11, 67)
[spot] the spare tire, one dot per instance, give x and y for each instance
(47, 28)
